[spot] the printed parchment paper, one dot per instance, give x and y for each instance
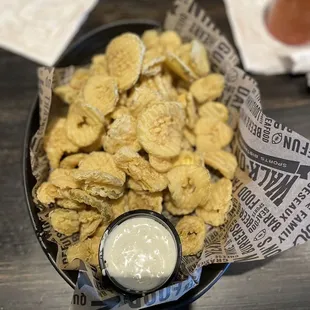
(271, 188)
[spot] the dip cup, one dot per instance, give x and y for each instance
(148, 215)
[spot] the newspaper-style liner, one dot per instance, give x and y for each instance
(271, 189)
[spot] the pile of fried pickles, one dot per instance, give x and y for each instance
(142, 131)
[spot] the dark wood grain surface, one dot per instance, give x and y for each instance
(28, 281)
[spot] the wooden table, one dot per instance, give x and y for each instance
(28, 281)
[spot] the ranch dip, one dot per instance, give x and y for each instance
(140, 254)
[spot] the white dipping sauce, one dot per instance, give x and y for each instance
(140, 254)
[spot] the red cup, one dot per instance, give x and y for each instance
(289, 21)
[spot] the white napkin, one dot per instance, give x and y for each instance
(41, 29)
(260, 52)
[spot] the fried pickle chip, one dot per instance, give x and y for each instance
(160, 164)
(198, 60)
(140, 170)
(191, 112)
(66, 93)
(119, 112)
(192, 232)
(79, 78)
(152, 61)
(90, 220)
(145, 200)
(88, 229)
(104, 190)
(122, 132)
(182, 99)
(140, 98)
(62, 178)
(214, 110)
(186, 146)
(159, 129)
(96, 146)
(189, 185)
(56, 143)
(65, 221)
(100, 230)
(99, 167)
(87, 216)
(184, 53)
(162, 83)
(220, 197)
(213, 218)
(223, 161)
(170, 40)
(100, 204)
(101, 92)
(47, 193)
(84, 124)
(132, 184)
(99, 59)
(72, 161)
(99, 65)
(208, 88)
(70, 204)
(119, 206)
(189, 136)
(125, 58)
(88, 177)
(179, 67)
(150, 38)
(174, 210)
(86, 251)
(188, 158)
(212, 134)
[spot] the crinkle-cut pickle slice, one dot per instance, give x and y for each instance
(47, 193)
(220, 198)
(86, 251)
(214, 110)
(84, 124)
(150, 38)
(214, 131)
(145, 200)
(170, 40)
(122, 132)
(125, 58)
(97, 162)
(208, 88)
(223, 161)
(72, 161)
(56, 142)
(141, 97)
(79, 78)
(189, 185)
(199, 61)
(174, 210)
(140, 170)
(159, 128)
(192, 232)
(213, 218)
(101, 92)
(179, 67)
(62, 178)
(65, 221)
(160, 164)
(99, 203)
(66, 93)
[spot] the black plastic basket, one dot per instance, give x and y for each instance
(80, 53)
